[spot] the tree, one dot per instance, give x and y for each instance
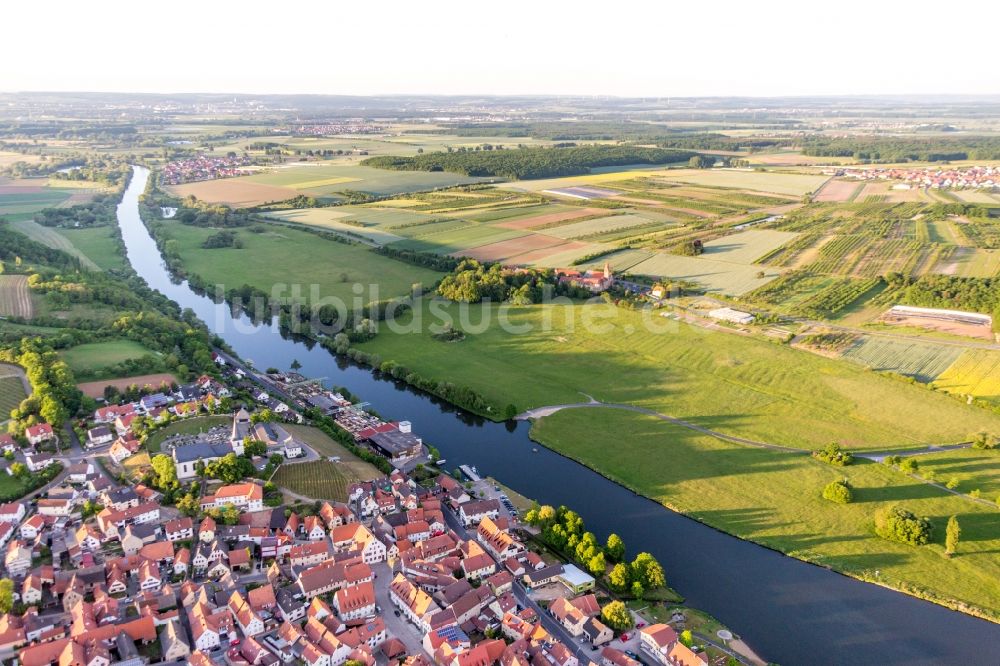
(648, 571)
(686, 638)
(617, 616)
(834, 455)
(6, 595)
(952, 534)
(546, 514)
(295, 364)
(895, 523)
(252, 447)
(984, 440)
(614, 548)
(165, 472)
(230, 468)
(618, 578)
(909, 465)
(637, 590)
(19, 470)
(838, 491)
(596, 565)
(189, 505)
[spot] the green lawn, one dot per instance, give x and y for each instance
(284, 256)
(774, 498)
(99, 244)
(90, 358)
(734, 384)
(973, 469)
(191, 426)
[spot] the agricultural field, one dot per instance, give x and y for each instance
(746, 247)
(15, 296)
(11, 390)
(726, 277)
(924, 361)
(332, 219)
(458, 240)
(235, 192)
(838, 190)
(597, 226)
(21, 200)
(775, 182)
(975, 373)
(774, 498)
(320, 179)
(9, 157)
(782, 395)
(92, 357)
(265, 261)
(95, 389)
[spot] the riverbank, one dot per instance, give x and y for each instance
(774, 499)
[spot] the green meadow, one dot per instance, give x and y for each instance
(284, 255)
(733, 384)
(774, 498)
(89, 358)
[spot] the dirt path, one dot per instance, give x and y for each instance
(53, 239)
(540, 412)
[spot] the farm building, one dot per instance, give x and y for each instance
(909, 311)
(731, 315)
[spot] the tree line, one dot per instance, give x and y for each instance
(528, 163)
(904, 149)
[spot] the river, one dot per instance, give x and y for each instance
(789, 611)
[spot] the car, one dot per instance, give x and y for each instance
(624, 637)
(632, 654)
(396, 612)
(640, 625)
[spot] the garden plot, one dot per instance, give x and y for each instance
(922, 361)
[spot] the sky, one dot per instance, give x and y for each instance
(654, 48)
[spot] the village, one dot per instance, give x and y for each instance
(417, 567)
(975, 177)
(204, 167)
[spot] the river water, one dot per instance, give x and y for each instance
(790, 612)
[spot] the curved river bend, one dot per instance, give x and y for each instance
(791, 612)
